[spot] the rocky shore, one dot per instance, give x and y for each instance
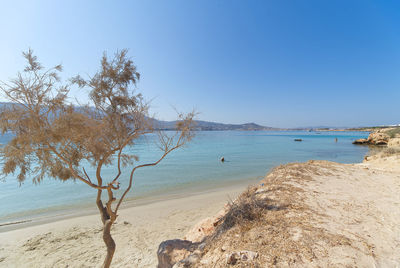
(385, 136)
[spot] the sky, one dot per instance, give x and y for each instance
(275, 63)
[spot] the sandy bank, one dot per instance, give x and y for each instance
(77, 242)
(313, 214)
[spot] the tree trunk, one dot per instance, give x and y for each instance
(109, 241)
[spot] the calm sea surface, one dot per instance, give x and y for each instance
(249, 155)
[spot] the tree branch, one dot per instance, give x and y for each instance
(141, 166)
(74, 173)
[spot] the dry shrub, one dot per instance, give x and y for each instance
(274, 220)
(247, 208)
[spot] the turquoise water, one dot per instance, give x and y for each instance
(248, 154)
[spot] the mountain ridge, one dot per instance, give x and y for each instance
(201, 125)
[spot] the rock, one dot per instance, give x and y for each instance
(202, 229)
(172, 251)
(189, 261)
(206, 227)
(360, 141)
(247, 255)
(380, 142)
(244, 256)
(232, 258)
(378, 138)
(202, 246)
(375, 138)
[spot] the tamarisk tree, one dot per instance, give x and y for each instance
(53, 138)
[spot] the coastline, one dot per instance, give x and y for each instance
(40, 215)
(314, 213)
(138, 232)
(76, 241)
(245, 160)
(142, 226)
(91, 210)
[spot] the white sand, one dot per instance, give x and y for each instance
(77, 242)
(360, 202)
(351, 214)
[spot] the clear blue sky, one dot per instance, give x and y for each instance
(276, 63)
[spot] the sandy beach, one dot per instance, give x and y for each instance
(313, 214)
(358, 203)
(77, 241)
(200, 134)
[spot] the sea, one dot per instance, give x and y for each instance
(196, 167)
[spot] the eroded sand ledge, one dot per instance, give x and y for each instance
(313, 214)
(357, 204)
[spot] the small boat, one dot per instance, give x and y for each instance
(298, 140)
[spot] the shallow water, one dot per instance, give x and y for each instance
(248, 155)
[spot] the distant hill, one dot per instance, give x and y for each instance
(205, 125)
(199, 125)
